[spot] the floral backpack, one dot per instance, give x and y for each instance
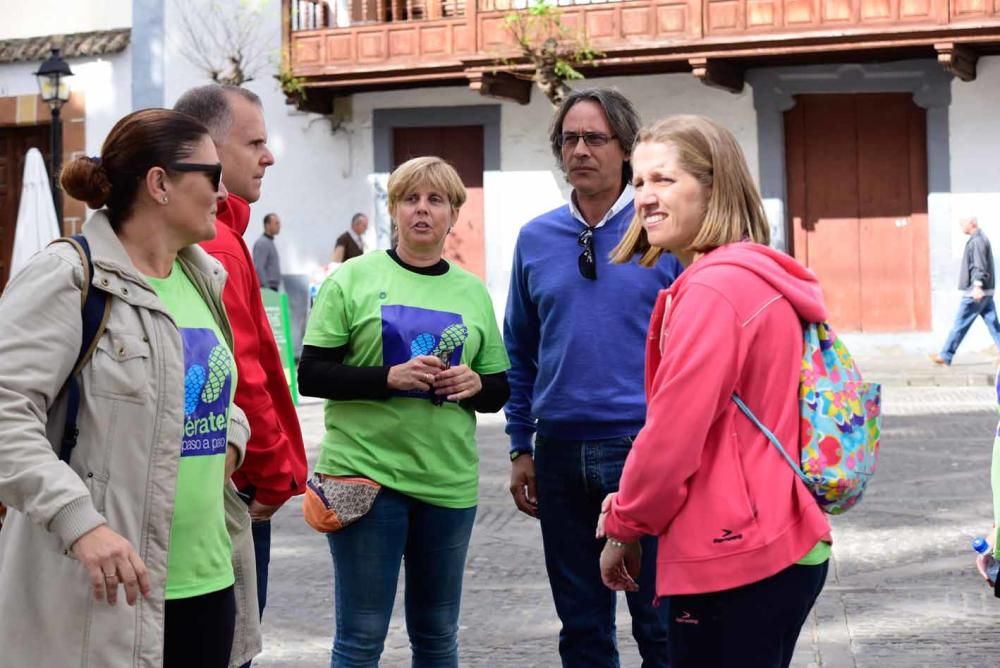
(841, 421)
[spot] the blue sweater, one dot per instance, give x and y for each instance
(577, 346)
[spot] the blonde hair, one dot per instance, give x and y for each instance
(427, 170)
(710, 153)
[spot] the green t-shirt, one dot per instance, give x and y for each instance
(199, 560)
(819, 553)
(386, 315)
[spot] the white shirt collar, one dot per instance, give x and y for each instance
(357, 238)
(628, 194)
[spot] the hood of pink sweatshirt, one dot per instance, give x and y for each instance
(797, 283)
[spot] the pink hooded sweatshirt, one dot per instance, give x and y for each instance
(727, 508)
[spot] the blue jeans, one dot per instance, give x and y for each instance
(968, 311)
(261, 532)
(572, 478)
(366, 559)
(262, 556)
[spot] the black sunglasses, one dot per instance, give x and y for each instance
(587, 263)
(213, 172)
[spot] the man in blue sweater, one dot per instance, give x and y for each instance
(575, 332)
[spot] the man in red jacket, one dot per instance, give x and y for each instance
(274, 469)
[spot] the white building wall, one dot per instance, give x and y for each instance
(322, 173)
(104, 81)
(34, 18)
(975, 191)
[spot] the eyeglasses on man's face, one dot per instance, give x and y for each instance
(570, 139)
(213, 172)
(587, 262)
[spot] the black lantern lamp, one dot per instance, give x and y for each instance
(53, 84)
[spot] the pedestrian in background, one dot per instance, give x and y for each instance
(351, 243)
(976, 280)
(265, 254)
(405, 348)
(576, 376)
(275, 467)
(743, 545)
(144, 501)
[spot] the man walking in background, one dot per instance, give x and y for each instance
(274, 468)
(351, 243)
(977, 280)
(265, 254)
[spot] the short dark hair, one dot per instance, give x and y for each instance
(268, 217)
(211, 105)
(621, 115)
(138, 142)
(356, 217)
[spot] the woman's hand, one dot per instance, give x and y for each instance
(458, 383)
(110, 560)
(605, 508)
(620, 565)
(417, 374)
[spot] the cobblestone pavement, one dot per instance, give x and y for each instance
(902, 591)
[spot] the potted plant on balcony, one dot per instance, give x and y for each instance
(551, 49)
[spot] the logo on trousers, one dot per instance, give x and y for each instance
(686, 618)
(727, 535)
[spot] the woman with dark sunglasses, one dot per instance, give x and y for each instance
(143, 501)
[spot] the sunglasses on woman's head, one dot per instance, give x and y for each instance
(587, 263)
(213, 172)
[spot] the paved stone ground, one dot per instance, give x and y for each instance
(902, 592)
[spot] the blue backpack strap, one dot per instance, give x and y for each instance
(94, 308)
(771, 437)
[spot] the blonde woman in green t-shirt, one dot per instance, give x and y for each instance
(405, 347)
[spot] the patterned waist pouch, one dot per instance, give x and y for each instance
(334, 502)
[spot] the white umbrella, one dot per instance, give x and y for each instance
(36, 216)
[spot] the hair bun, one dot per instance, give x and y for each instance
(85, 179)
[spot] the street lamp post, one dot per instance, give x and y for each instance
(53, 84)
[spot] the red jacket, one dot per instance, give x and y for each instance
(727, 508)
(275, 464)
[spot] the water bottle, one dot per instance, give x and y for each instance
(987, 565)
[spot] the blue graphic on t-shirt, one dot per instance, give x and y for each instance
(207, 389)
(409, 332)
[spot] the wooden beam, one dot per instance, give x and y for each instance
(502, 85)
(958, 59)
(717, 73)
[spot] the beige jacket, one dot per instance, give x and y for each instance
(123, 470)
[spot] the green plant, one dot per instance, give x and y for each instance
(292, 86)
(551, 47)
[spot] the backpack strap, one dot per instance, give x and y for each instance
(94, 308)
(771, 437)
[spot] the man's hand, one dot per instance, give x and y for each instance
(417, 374)
(261, 512)
(522, 485)
(977, 293)
(110, 561)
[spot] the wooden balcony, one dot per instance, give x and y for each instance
(343, 46)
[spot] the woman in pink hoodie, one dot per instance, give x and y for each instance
(743, 547)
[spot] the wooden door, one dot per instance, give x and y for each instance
(14, 144)
(462, 146)
(857, 199)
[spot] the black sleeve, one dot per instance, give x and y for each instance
(493, 396)
(323, 374)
